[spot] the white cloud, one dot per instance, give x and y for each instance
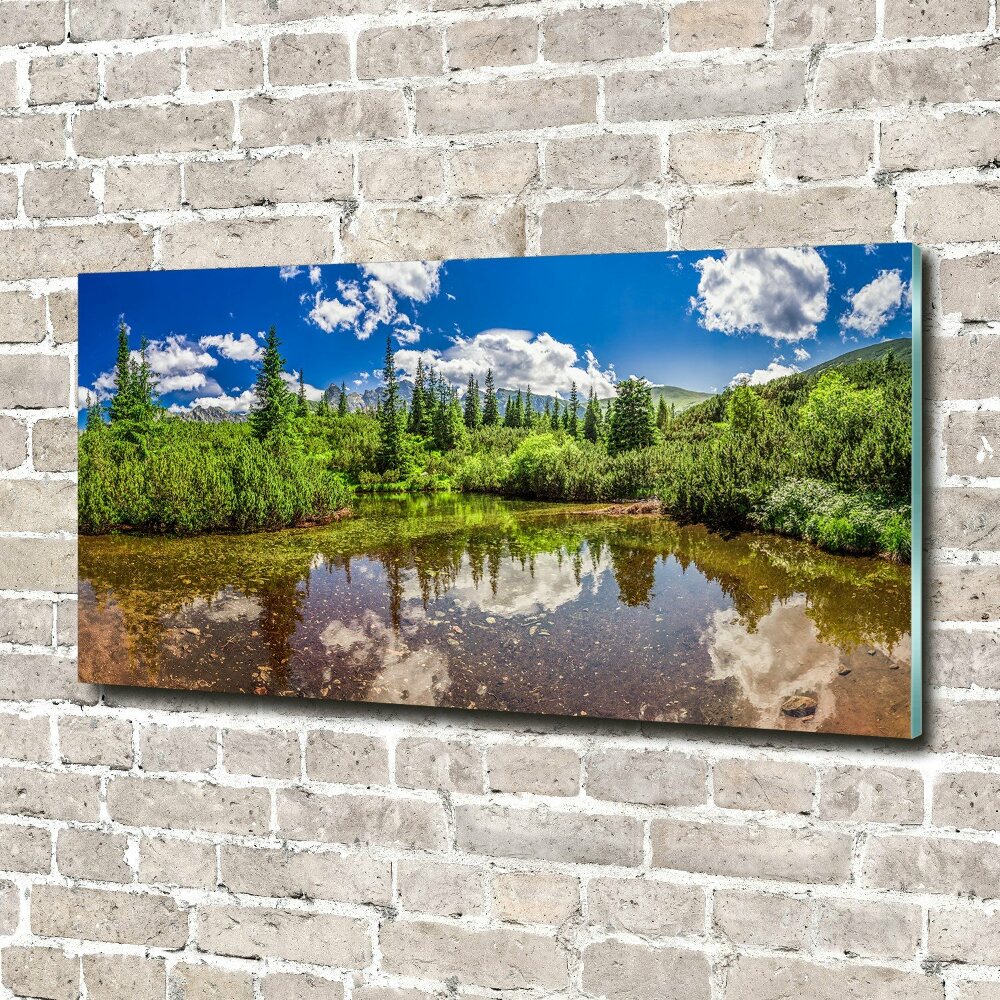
(873, 306)
(182, 383)
(801, 354)
(417, 279)
(315, 274)
(329, 314)
(313, 394)
(363, 307)
(289, 271)
(175, 355)
(224, 401)
(241, 347)
(776, 369)
(780, 294)
(519, 358)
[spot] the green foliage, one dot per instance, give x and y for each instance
(863, 523)
(133, 405)
(491, 411)
(472, 415)
(824, 457)
(593, 420)
(190, 477)
(392, 452)
(272, 414)
(631, 423)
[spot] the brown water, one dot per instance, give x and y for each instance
(473, 602)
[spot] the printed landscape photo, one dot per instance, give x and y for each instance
(676, 487)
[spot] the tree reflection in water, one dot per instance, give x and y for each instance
(477, 602)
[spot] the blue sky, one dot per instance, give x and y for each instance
(693, 319)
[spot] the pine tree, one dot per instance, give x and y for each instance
(272, 407)
(124, 382)
(573, 421)
(528, 415)
(449, 421)
(392, 446)
(555, 422)
(415, 423)
(303, 406)
(592, 419)
(342, 401)
(512, 412)
(632, 424)
(472, 415)
(662, 415)
(134, 401)
(95, 421)
(491, 412)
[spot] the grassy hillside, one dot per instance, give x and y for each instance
(678, 397)
(903, 348)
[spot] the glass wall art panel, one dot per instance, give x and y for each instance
(672, 487)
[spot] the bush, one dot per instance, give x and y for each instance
(863, 523)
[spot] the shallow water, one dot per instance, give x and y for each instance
(474, 602)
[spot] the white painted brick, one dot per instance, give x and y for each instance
(716, 157)
(604, 161)
(50, 194)
(933, 143)
(143, 74)
(823, 152)
(699, 25)
(916, 18)
(63, 79)
(811, 22)
(33, 21)
(711, 90)
(321, 176)
(225, 67)
(402, 174)
(904, 77)
(763, 920)
(308, 59)
(593, 35)
(482, 171)
(142, 187)
(90, 19)
(510, 41)
(415, 50)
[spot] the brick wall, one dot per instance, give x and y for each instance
(160, 845)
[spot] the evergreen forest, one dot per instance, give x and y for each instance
(823, 456)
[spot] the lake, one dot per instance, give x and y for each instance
(476, 602)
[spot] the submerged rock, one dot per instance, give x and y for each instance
(799, 706)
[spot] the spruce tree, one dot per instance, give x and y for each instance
(323, 406)
(124, 382)
(95, 421)
(303, 406)
(134, 401)
(491, 412)
(392, 447)
(528, 416)
(472, 415)
(270, 413)
(415, 423)
(573, 420)
(555, 422)
(662, 415)
(342, 401)
(632, 424)
(449, 421)
(592, 419)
